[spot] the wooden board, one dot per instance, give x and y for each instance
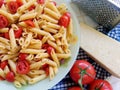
(103, 49)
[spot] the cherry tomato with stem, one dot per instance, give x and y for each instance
(82, 72)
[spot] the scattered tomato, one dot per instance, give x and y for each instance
(18, 33)
(3, 21)
(3, 64)
(10, 77)
(12, 6)
(19, 2)
(41, 1)
(1, 78)
(22, 56)
(48, 48)
(64, 20)
(32, 7)
(1, 3)
(74, 88)
(46, 68)
(23, 67)
(100, 84)
(29, 23)
(82, 72)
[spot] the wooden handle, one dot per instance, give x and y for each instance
(103, 49)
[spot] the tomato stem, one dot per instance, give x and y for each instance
(80, 81)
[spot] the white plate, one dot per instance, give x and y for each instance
(63, 70)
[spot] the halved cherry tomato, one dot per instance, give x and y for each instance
(29, 23)
(74, 88)
(31, 7)
(23, 56)
(1, 3)
(46, 68)
(1, 34)
(18, 33)
(64, 20)
(12, 6)
(6, 35)
(3, 64)
(48, 48)
(3, 21)
(19, 2)
(82, 72)
(10, 77)
(100, 84)
(41, 1)
(23, 67)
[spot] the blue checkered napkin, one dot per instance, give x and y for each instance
(115, 33)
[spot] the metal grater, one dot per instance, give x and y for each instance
(104, 12)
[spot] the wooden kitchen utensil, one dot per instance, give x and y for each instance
(103, 49)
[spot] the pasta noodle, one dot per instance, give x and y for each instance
(33, 41)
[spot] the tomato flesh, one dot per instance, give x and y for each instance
(23, 56)
(29, 23)
(19, 2)
(100, 84)
(23, 67)
(1, 3)
(18, 33)
(12, 6)
(48, 48)
(10, 77)
(64, 19)
(46, 68)
(41, 1)
(80, 67)
(3, 21)
(3, 64)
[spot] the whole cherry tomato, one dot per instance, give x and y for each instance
(100, 84)
(29, 23)
(3, 64)
(12, 6)
(64, 20)
(10, 77)
(41, 1)
(82, 72)
(22, 56)
(3, 21)
(23, 67)
(1, 3)
(74, 88)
